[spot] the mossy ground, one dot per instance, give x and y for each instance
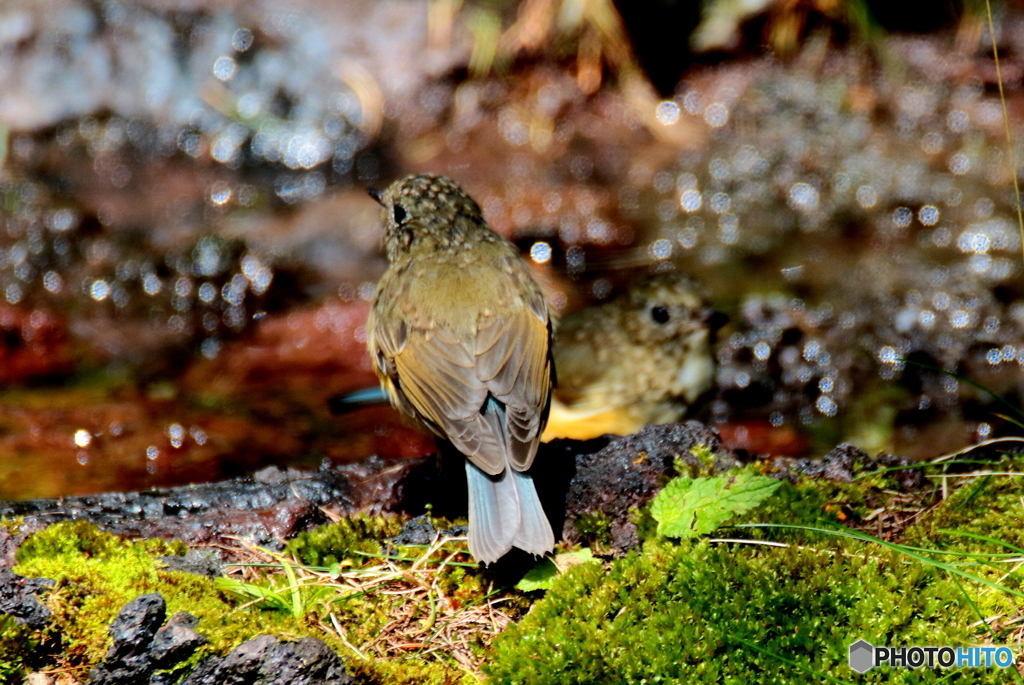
(675, 611)
(98, 573)
(716, 612)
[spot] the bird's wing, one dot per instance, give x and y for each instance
(445, 381)
(513, 360)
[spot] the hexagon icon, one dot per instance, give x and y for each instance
(862, 656)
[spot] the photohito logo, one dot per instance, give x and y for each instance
(864, 656)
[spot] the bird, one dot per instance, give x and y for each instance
(460, 335)
(643, 358)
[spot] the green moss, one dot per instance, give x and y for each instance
(594, 529)
(15, 642)
(410, 672)
(686, 613)
(98, 573)
(337, 542)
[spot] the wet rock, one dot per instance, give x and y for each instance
(259, 512)
(626, 472)
(18, 598)
(141, 646)
(267, 660)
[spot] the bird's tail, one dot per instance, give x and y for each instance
(505, 512)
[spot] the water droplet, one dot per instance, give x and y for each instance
(957, 121)
(826, 405)
(540, 252)
(720, 203)
(99, 290)
(959, 164)
(690, 200)
(867, 197)
(83, 438)
(661, 249)
(667, 112)
(242, 40)
(928, 215)
(716, 114)
(176, 434)
(901, 217)
(220, 193)
(224, 68)
(53, 282)
(803, 197)
(198, 434)
(207, 292)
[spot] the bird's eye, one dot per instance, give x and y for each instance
(659, 314)
(399, 211)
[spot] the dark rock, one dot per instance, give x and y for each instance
(840, 463)
(18, 597)
(844, 461)
(141, 646)
(626, 472)
(266, 660)
(419, 530)
(908, 478)
(176, 641)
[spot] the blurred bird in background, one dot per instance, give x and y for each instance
(459, 333)
(643, 358)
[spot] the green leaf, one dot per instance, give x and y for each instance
(541, 576)
(687, 507)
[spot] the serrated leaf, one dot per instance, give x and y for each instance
(541, 576)
(688, 507)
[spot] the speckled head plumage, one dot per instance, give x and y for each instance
(426, 205)
(663, 307)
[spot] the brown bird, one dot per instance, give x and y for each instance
(460, 336)
(640, 359)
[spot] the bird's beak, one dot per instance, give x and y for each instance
(713, 319)
(377, 195)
